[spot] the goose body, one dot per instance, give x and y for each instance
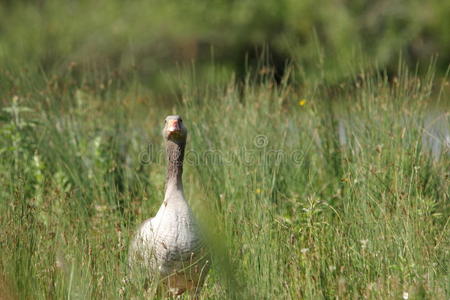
(169, 247)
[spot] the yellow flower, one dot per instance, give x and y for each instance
(258, 191)
(302, 102)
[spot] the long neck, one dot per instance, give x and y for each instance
(175, 155)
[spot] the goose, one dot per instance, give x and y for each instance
(169, 247)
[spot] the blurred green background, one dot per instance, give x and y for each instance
(152, 39)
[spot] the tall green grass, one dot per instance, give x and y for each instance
(293, 210)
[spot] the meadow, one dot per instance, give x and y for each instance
(318, 150)
(293, 211)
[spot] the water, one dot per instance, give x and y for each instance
(435, 136)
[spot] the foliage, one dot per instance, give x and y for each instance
(151, 36)
(317, 159)
(294, 208)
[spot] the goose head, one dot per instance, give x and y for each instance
(174, 130)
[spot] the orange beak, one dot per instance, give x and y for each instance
(173, 126)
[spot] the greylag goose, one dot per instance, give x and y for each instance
(168, 247)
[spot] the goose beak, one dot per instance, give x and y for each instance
(173, 126)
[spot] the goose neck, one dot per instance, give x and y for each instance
(175, 155)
